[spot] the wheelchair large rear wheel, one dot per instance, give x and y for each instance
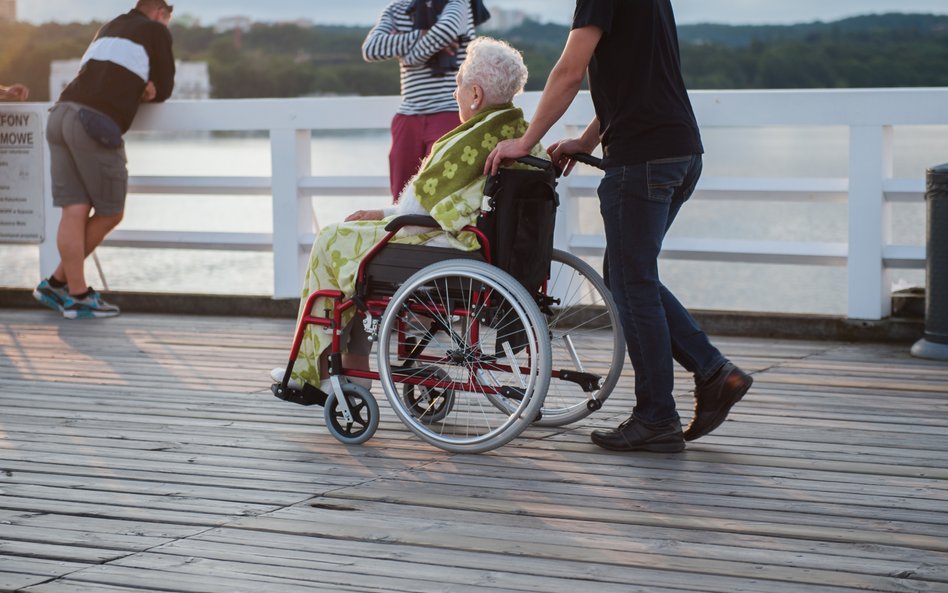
(586, 339)
(467, 329)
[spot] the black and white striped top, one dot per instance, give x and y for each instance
(423, 92)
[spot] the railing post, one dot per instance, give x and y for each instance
(290, 152)
(567, 214)
(870, 164)
(48, 249)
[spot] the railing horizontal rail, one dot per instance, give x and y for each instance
(772, 189)
(732, 250)
(904, 190)
(190, 240)
(904, 256)
(257, 186)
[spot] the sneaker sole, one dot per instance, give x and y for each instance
(722, 416)
(90, 314)
(48, 301)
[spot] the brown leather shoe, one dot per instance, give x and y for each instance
(714, 398)
(632, 435)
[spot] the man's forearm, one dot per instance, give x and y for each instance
(592, 134)
(564, 83)
(561, 88)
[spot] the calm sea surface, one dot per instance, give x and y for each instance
(779, 152)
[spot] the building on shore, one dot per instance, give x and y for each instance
(192, 80)
(233, 23)
(502, 19)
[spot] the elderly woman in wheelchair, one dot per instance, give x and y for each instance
(464, 348)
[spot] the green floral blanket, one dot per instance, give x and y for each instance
(451, 183)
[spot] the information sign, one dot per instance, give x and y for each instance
(22, 176)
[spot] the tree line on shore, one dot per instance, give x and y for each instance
(288, 60)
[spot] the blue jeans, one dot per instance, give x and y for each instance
(638, 205)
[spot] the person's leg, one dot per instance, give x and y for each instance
(639, 204)
(333, 265)
(437, 125)
(359, 349)
(68, 191)
(407, 152)
(103, 174)
(719, 384)
(690, 345)
(635, 223)
(71, 241)
(97, 229)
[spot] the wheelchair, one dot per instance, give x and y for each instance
(473, 347)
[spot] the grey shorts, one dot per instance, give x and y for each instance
(83, 171)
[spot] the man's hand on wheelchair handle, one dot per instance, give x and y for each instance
(365, 215)
(562, 151)
(506, 151)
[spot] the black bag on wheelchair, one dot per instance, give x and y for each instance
(518, 217)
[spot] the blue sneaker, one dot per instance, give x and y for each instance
(89, 307)
(49, 295)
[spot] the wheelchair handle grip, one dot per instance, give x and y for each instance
(587, 159)
(535, 162)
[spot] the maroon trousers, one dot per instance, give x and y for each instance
(412, 139)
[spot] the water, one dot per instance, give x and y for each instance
(778, 152)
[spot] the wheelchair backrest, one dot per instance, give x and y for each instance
(518, 221)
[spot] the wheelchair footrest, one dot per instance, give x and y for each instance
(586, 381)
(308, 396)
(517, 395)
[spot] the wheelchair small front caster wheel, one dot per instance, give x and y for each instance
(364, 412)
(594, 405)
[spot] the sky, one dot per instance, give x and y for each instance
(364, 12)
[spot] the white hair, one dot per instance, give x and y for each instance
(496, 67)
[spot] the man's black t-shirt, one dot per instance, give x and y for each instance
(636, 82)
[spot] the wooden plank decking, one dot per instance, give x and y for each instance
(145, 453)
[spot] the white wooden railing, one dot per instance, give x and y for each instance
(870, 188)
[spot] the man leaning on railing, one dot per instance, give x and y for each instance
(129, 62)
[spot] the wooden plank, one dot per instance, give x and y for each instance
(699, 546)
(655, 566)
(147, 450)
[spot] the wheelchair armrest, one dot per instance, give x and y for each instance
(412, 220)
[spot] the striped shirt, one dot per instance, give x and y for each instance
(423, 92)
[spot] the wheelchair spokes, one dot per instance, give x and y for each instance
(480, 379)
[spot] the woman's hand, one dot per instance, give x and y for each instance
(366, 215)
